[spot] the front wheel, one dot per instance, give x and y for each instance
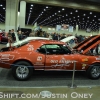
(22, 70)
(93, 71)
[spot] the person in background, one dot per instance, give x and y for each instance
(13, 35)
(62, 36)
(20, 35)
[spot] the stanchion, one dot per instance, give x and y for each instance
(72, 85)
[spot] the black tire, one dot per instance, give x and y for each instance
(93, 71)
(23, 71)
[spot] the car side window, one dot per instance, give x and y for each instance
(51, 49)
(42, 49)
(57, 49)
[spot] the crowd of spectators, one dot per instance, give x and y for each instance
(40, 33)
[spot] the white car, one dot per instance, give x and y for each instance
(20, 42)
(68, 39)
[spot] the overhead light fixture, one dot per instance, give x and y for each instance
(90, 12)
(76, 11)
(46, 6)
(71, 13)
(63, 9)
(3, 8)
(31, 5)
(59, 11)
(66, 15)
(30, 8)
(1, 5)
(74, 17)
(84, 14)
(95, 16)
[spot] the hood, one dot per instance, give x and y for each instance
(88, 44)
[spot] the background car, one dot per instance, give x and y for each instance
(70, 40)
(3, 38)
(20, 42)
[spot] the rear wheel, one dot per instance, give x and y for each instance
(93, 71)
(22, 70)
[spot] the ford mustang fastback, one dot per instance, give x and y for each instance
(49, 55)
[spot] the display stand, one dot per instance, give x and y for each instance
(72, 85)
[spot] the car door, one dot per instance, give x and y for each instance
(39, 58)
(58, 57)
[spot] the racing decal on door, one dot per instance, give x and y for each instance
(39, 58)
(61, 63)
(30, 48)
(6, 57)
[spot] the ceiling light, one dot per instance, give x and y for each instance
(63, 9)
(59, 11)
(95, 16)
(76, 11)
(3, 8)
(71, 13)
(84, 14)
(90, 12)
(31, 5)
(44, 9)
(78, 16)
(46, 6)
(66, 15)
(30, 8)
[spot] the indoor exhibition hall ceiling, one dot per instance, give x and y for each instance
(47, 15)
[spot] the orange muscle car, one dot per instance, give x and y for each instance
(49, 55)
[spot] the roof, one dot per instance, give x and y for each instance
(45, 42)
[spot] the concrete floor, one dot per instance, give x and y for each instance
(57, 93)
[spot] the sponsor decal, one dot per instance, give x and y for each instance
(85, 59)
(83, 66)
(39, 58)
(97, 58)
(61, 63)
(6, 57)
(38, 63)
(30, 48)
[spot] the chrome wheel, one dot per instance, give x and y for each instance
(22, 71)
(95, 71)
